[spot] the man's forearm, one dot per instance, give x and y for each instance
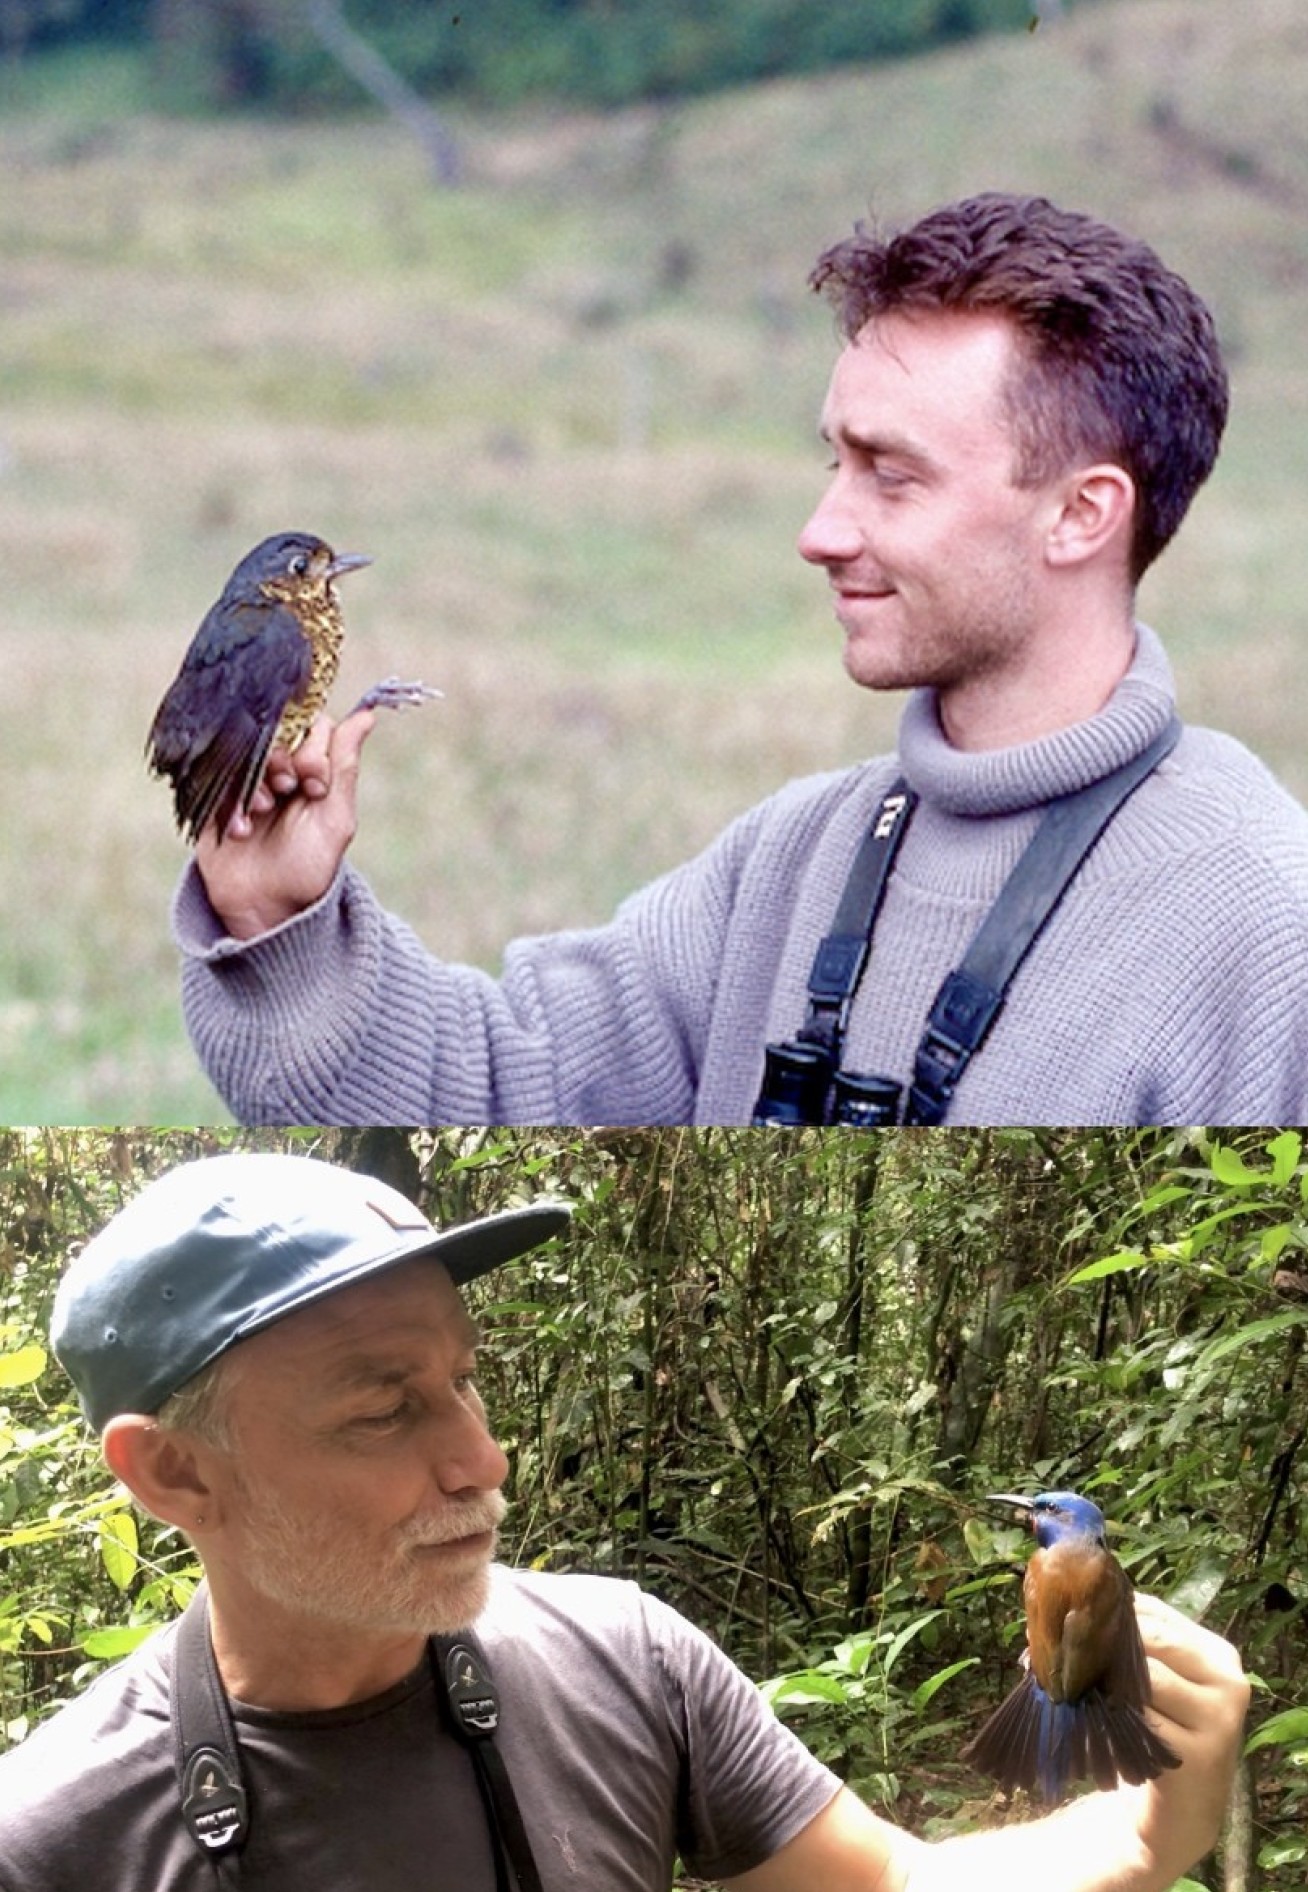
(1094, 1845)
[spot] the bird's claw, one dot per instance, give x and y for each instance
(393, 693)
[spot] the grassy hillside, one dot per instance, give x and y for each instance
(570, 410)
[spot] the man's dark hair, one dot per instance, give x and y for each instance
(1120, 357)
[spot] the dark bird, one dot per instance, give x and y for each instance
(1076, 1713)
(258, 671)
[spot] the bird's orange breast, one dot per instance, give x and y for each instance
(1073, 1594)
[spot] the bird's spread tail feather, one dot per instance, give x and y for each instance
(1033, 1742)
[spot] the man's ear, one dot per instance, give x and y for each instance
(1098, 507)
(164, 1471)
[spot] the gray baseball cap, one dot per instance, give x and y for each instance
(218, 1249)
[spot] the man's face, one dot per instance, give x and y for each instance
(364, 1485)
(933, 553)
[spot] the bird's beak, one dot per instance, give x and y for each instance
(347, 562)
(1007, 1497)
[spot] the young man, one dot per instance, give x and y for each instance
(1025, 404)
(277, 1356)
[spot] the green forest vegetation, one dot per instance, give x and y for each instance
(267, 53)
(772, 1380)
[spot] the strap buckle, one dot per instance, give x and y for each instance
(470, 1692)
(963, 1013)
(214, 1805)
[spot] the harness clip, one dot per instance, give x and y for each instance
(214, 1802)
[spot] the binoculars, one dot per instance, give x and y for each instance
(802, 1085)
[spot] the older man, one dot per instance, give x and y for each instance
(279, 1361)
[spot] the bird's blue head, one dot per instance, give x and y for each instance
(1056, 1516)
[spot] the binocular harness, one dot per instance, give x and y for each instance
(804, 1081)
(215, 1804)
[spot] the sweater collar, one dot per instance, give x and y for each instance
(1003, 781)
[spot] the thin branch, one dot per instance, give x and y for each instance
(379, 78)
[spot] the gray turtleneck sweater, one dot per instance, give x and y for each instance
(1170, 986)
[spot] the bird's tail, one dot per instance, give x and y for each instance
(1034, 1742)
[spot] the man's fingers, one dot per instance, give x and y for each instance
(311, 765)
(306, 770)
(1193, 1672)
(348, 741)
(1182, 1643)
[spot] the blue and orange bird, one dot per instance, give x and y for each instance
(1076, 1713)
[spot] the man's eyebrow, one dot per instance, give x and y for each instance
(360, 1373)
(357, 1371)
(884, 446)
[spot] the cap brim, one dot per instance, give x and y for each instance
(480, 1246)
(471, 1249)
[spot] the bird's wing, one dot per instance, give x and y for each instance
(1098, 1624)
(1127, 1675)
(213, 730)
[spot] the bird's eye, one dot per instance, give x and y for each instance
(299, 565)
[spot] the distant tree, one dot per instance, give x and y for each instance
(275, 54)
(27, 25)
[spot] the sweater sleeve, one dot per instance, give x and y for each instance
(341, 1015)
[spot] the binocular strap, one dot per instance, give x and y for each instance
(972, 996)
(803, 1076)
(215, 1805)
(842, 954)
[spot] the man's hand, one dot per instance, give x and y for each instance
(1200, 1698)
(283, 855)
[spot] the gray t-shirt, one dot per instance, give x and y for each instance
(629, 1737)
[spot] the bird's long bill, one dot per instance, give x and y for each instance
(347, 562)
(1008, 1497)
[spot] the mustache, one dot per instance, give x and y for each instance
(465, 1517)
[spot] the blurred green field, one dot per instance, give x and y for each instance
(570, 410)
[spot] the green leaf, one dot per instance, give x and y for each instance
(1284, 1151)
(119, 1543)
(1281, 1852)
(1245, 1336)
(1111, 1264)
(806, 1685)
(1232, 1171)
(1202, 1232)
(1197, 1592)
(1290, 1725)
(1273, 1242)
(921, 1696)
(906, 1636)
(108, 1644)
(22, 1367)
(854, 1654)
(1159, 1199)
(979, 1539)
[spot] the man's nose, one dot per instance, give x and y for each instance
(467, 1456)
(831, 536)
